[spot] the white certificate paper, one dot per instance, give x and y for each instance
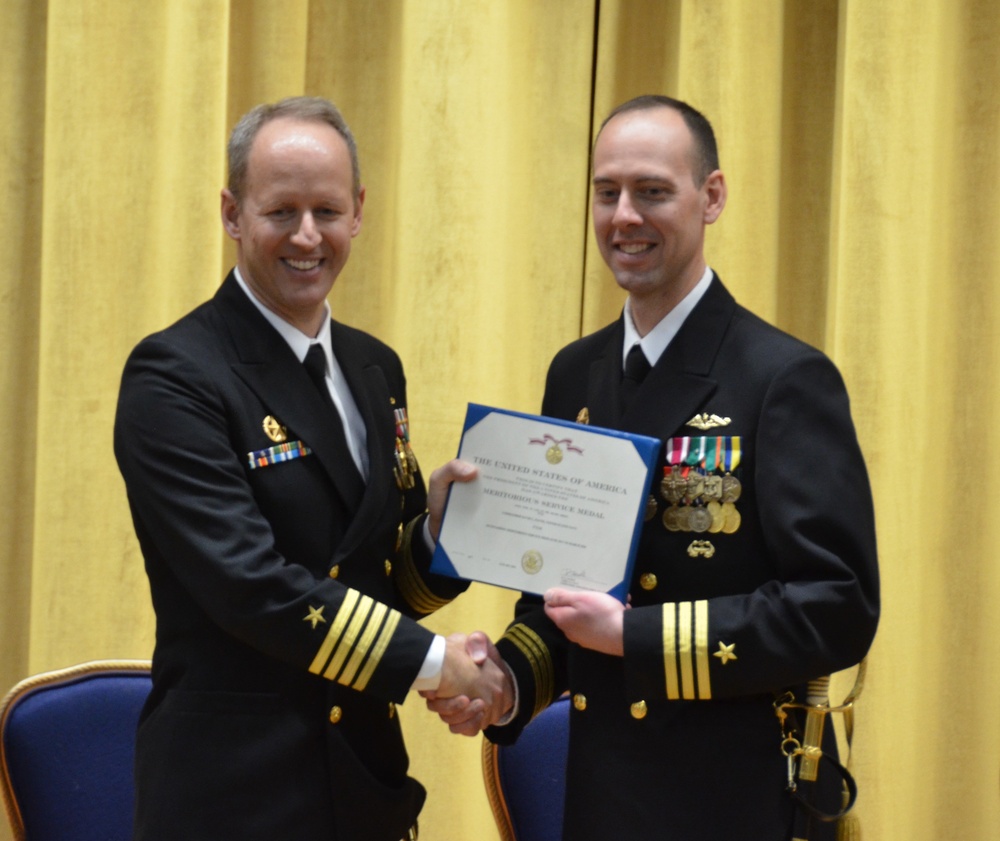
(556, 504)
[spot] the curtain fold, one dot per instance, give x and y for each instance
(859, 142)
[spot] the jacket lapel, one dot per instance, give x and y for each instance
(679, 384)
(371, 394)
(268, 366)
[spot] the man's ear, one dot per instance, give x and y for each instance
(358, 204)
(715, 194)
(231, 215)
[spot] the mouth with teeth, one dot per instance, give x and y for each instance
(634, 247)
(302, 265)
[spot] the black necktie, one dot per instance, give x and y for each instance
(315, 363)
(636, 368)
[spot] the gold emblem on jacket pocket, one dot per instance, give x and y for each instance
(274, 430)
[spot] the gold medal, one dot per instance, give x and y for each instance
(673, 485)
(405, 480)
(695, 485)
(670, 521)
(651, 508)
(713, 488)
(718, 517)
(732, 518)
(411, 460)
(684, 518)
(731, 488)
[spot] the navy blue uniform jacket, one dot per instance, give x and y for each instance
(285, 630)
(678, 739)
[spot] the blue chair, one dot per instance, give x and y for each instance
(67, 742)
(526, 781)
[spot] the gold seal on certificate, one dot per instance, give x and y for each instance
(531, 561)
(555, 504)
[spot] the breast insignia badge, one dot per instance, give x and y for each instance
(706, 421)
(274, 430)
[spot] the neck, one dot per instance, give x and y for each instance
(651, 308)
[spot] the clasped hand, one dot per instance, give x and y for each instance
(476, 689)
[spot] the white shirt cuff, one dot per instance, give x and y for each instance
(429, 676)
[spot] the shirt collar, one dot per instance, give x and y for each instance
(656, 340)
(298, 341)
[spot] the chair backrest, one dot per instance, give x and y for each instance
(67, 742)
(526, 781)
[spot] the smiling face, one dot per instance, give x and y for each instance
(649, 212)
(295, 220)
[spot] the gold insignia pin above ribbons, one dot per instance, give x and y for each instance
(274, 430)
(706, 421)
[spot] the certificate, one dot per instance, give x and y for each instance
(556, 504)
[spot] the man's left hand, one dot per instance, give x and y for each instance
(593, 620)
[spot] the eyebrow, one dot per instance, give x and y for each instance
(642, 179)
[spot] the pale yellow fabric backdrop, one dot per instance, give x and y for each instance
(860, 141)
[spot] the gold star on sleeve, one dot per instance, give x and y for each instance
(315, 615)
(725, 652)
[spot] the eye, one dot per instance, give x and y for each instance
(606, 195)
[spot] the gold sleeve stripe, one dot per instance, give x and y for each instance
(684, 651)
(670, 650)
(346, 644)
(701, 650)
(336, 629)
(540, 660)
(411, 585)
(364, 644)
(388, 629)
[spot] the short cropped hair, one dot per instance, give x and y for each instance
(705, 150)
(309, 109)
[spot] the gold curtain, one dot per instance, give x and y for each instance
(860, 144)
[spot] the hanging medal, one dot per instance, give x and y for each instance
(731, 486)
(405, 469)
(699, 484)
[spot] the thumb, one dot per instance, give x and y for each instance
(477, 645)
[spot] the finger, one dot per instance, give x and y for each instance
(468, 729)
(448, 706)
(455, 470)
(475, 711)
(558, 596)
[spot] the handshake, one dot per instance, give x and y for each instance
(476, 689)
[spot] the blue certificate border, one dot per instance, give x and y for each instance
(648, 449)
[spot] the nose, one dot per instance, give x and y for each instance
(625, 212)
(307, 236)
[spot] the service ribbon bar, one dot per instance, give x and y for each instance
(402, 425)
(708, 452)
(279, 452)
